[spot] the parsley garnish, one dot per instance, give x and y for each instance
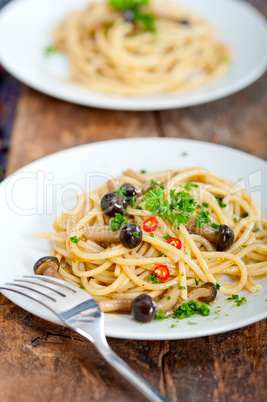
(237, 301)
(50, 49)
(153, 184)
(205, 204)
(244, 215)
(143, 171)
(167, 237)
(235, 220)
(117, 222)
(169, 298)
(74, 239)
(136, 235)
(220, 202)
(138, 207)
(159, 315)
(203, 219)
(217, 286)
(152, 278)
(151, 235)
(181, 287)
(147, 20)
(82, 287)
(197, 281)
(161, 255)
(256, 230)
(191, 308)
(189, 185)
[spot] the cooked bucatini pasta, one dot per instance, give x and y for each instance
(140, 50)
(168, 234)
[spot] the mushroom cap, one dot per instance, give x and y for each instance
(213, 290)
(45, 262)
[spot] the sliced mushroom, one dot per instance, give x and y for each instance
(48, 266)
(212, 292)
(222, 238)
(112, 185)
(115, 305)
(102, 234)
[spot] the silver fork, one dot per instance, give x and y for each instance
(79, 311)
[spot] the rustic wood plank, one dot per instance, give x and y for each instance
(45, 125)
(237, 121)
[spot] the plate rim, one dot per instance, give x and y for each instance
(117, 102)
(146, 336)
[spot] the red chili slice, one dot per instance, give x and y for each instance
(175, 242)
(150, 224)
(162, 272)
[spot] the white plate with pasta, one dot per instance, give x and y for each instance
(217, 183)
(200, 51)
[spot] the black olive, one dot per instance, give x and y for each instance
(143, 308)
(128, 15)
(184, 22)
(213, 294)
(131, 235)
(226, 238)
(113, 203)
(129, 191)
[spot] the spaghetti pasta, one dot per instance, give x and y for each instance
(116, 274)
(110, 54)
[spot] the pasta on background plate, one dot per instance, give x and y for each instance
(140, 47)
(175, 236)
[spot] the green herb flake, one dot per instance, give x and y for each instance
(244, 245)
(161, 255)
(74, 239)
(151, 235)
(117, 222)
(184, 154)
(235, 220)
(152, 278)
(189, 185)
(217, 286)
(256, 230)
(169, 298)
(136, 235)
(197, 281)
(191, 323)
(205, 205)
(138, 207)
(82, 287)
(238, 301)
(182, 274)
(182, 287)
(159, 315)
(220, 202)
(191, 308)
(50, 49)
(244, 215)
(143, 171)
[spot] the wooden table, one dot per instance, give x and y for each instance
(44, 362)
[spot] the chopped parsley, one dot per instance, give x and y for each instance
(143, 171)
(161, 255)
(205, 204)
(117, 222)
(217, 286)
(244, 245)
(50, 49)
(197, 281)
(256, 230)
(189, 185)
(152, 278)
(220, 202)
(159, 315)
(169, 298)
(167, 237)
(244, 215)
(151, 235)
(138, 207)
(184, 154)
(235, 220)
(134, 6)
(82, 287)
(191, 308)
(203, 219)
(238, 301)
(136, 235)
(75, 239)
(182, 287)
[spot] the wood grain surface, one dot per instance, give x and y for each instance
(44, 362)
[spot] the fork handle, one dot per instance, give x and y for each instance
(115, 361)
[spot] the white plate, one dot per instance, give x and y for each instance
(25, 31)
(31, 198)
